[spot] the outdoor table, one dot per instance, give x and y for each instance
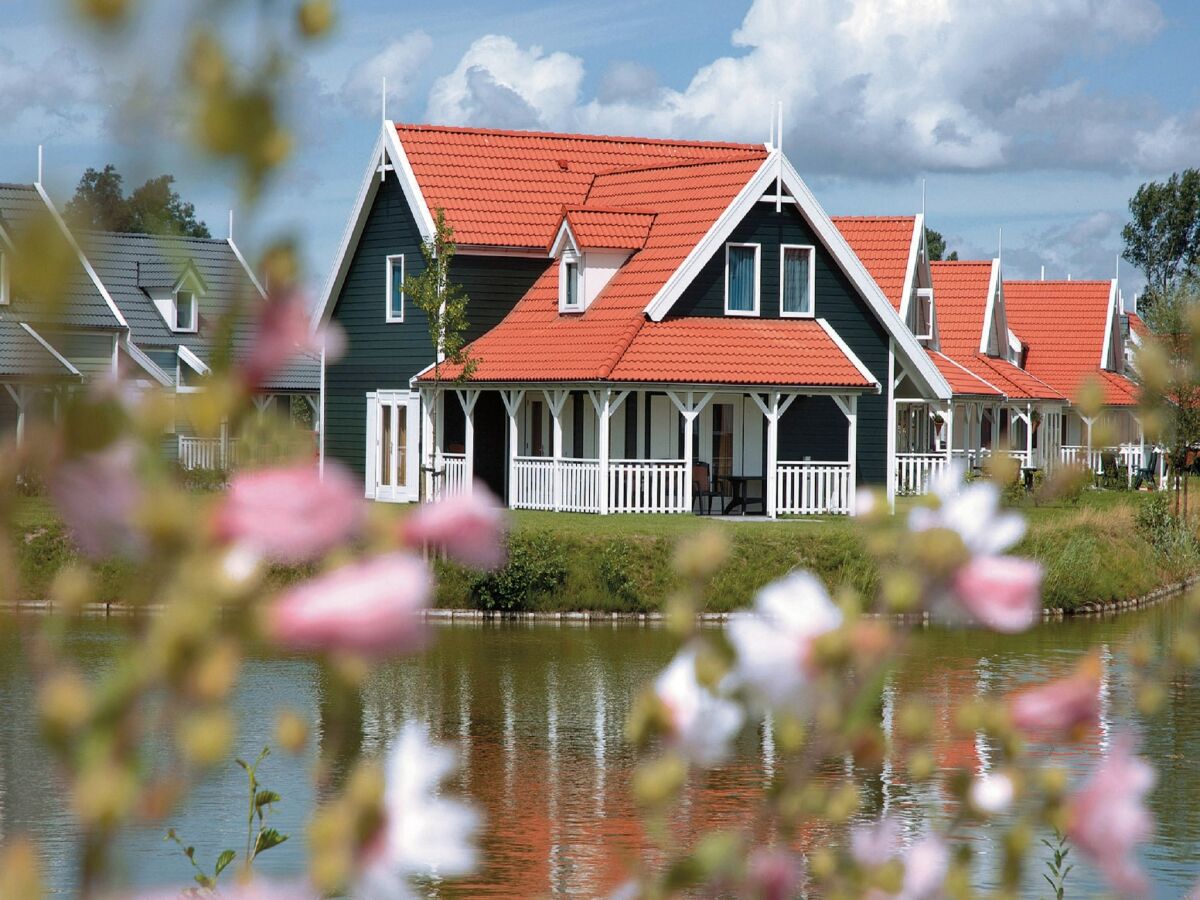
(739, 499)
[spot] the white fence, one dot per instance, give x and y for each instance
(647, 486)
(579, 485)
(915, 471)
(453, 480)
(808, 488)
(207, 453)
(533, 483)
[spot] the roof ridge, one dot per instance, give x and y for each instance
(143, 234)
(910, 217)
(675, 164)
(581, 136)
(1060, 281)
(572, 208)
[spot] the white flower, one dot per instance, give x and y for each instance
(925, 867)
(774, 641)
(971, 510)
(992, 793)
(701, 723)
(423, 834)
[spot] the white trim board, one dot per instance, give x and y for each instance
(195, 363)
(46, 344)
(910, 270)
(134, 352)
(830, 237)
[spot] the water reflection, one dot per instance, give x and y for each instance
(538, 713)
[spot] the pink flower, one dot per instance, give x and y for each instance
(469, 527)
(925, 868)
(1107, 818)
(257, 889)
(281, 333)
(98, 495)
(1002, 592)
(372, 607)
(290, 514)
(1060, 707)
(773, 874)
(701, 723)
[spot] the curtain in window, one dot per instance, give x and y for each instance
(741, 279)
(795, 281)
(397, 288)
(722, 440)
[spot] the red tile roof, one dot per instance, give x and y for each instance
(737, 351)
(961, 294)
(509, 188)
(601, 229)
(1138, 325)
(961, 380)
(1062, 325)
(883, 244)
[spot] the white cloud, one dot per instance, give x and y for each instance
(498, 83)
(400, 62)
(55, 95)
(871, 87)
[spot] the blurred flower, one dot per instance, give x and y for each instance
(992, 793)
(258, 889)
(1108, 817)
(774, 641)
(291, 514)
(1060, 707)
(925, 862)
(282, 332)
(98, 495)
(421, 833)
(469, 527)
(700, 724)
(773, 874)
(874, 844)
(971, 511)
(1001, 592)
(373, 606)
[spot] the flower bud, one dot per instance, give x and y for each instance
(205, 738)
(291, 731)
(700, 556)
(315, 17)
(658, 780)
(65, 703)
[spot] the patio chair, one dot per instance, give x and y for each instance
(1147, 473)
(702, 487)
(1109, 475)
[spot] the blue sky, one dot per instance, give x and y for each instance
(1040, 117)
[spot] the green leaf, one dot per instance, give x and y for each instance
(268, 838)
(224, 860)
(204, 881)
(265, 797)
(245, 765)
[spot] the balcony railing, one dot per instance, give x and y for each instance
(916, 471)
(647, 486)
(811, 488)
(203, 453)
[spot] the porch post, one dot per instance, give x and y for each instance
(948, 418)
(467, 400)
(512, 402)
(426, 454)
(1088, 423)
(556, 400)
(605, 411)
(18, 398)
(689, 408)
(852, 452)
(1029, 434)
(772, 454)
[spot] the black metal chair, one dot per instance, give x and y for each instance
(1147, 473)
(702, 487)
(1109, 475)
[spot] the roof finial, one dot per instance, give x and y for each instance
(1000, 244)
(382, 129)
(1043, 271)
(39, 180)
(779, 174)
(383, 100)
(231, 225)
(771, 139)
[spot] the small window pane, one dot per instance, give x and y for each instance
(796, 262)
(396, 291)
(740, 288)
(572, 286)
(385, 445)
(185, 310)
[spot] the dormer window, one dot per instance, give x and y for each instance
(923, 321)
(185, 310)
(4, 278)
(570, 295)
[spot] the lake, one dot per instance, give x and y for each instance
(538, 711)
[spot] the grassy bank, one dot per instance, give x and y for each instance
(1094, 551)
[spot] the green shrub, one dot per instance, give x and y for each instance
(536, 566)
(617, 575)
(1154, 519)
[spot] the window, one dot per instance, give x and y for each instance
(395, 288)
(722, 440)
(741, 279)
(797, 280)
(185, 310)
(569, 282)
(923, 321)
(3, 278)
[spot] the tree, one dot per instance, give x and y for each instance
(1162, 237)
(935, 244)
(154, 208)
(445, 306)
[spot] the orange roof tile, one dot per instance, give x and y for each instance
(1062, 325)
(737, 351)
(1138, 325)
(961, 380)
(509, 188)
(883, 244)
(603, 229)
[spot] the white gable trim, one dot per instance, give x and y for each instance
(134, 352)
(910, 272)
(46, 344)
(245, 265)
(995, 321)
(408, 181)
(850, 354)
(1111, 337)
(196, 364)
(83, 259)
(828, 234)
(564, 236)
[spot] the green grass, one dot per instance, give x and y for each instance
(1091, 549)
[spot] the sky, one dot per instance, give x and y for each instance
(1030, 123)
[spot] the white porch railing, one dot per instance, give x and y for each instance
(453, 480)
(808, 488)
(915, 471)
(979, 457)
(1129, 456)
(533, 483)
(207, 453)
(647, 486)
(579, 481)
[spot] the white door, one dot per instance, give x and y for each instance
(392, 466)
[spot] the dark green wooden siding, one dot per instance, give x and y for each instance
(815, 427)
(383, 355)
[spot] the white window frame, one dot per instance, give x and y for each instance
(4, 277)
(924, 300)
(388, 315)
(812, 281)
(570, 257)
(408, 403)
(757, 280)
(193, 326)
